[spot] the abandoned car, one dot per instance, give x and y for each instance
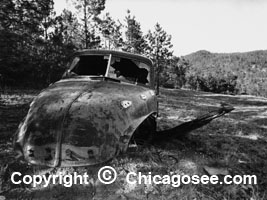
(89, 116)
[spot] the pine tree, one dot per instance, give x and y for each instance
(59, 46)
(158, 48)
(179, 67)
(90, 9)
(68, 25)
(21, 25)
(135, 41)
(111, 31)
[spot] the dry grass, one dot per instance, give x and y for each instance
(236, 142)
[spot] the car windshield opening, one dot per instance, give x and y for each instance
(94, 65)
(121, 68)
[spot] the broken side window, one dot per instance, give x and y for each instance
(129, 70)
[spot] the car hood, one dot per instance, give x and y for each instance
(78, 122)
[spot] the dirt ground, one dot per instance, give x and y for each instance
(235, 144)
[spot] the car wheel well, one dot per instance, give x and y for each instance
(145, 130)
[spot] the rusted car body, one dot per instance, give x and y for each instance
(90, 115)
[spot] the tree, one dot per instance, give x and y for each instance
(90, 9)
(111, 31)
(158, 48)
(68, 26)
(35, 44)
(135, 41)
(59, 46)
(180, 67)
(20, 26)
(174, 74)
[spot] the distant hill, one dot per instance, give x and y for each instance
(248, 70)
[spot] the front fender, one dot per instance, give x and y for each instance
(98, 127)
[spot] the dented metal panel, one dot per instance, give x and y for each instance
(83, 122)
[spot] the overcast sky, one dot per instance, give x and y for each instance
(213, 25)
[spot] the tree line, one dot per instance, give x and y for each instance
(36, 45)
(234, 73)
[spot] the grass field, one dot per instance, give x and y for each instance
(235, 144)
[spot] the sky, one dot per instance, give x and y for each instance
(220, 26)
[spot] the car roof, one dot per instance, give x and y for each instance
(114, 53)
